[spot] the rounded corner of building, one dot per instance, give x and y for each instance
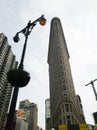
(55, 18)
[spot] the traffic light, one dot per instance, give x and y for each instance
(95, 117)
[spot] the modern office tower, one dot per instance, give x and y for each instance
(7, 62)
(23, 104)
(47, 114)
(21, 120)
(21, 124)
(31, 113)
(66, 107)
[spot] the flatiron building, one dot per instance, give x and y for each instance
(65, 105)
(7, 62)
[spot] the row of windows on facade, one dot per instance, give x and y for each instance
(67, 120)
(57, 47)
(2, 36)
(5, 90)
(2, 90)
(2, 40)
(56, 73)
(2, 55)
(61, 89)
(3, 75)
(58, 60)
(4, 47)
(59, 53)
(64, 108)
(57, 32)
(60, 84)
(59, 71)
(65, 97)
(59, 44)
(6, 62)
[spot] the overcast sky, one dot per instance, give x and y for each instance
(79, 22)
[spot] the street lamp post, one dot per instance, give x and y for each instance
(92, 83)
(18, 77)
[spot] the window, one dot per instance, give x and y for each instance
(67, 107)
(60, 122)
(62, 108)
(65, 97)
(64, 120)
(68, 120)
(70, 107)
(72, 118)
(64, 87)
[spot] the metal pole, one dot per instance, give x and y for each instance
(11, 115)
(23, 53)
(92, 83)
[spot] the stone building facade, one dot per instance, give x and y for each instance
(65, 105)
(7, 62)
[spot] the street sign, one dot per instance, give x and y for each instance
(83, 126)
(62, 127)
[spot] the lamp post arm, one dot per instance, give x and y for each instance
(27, 30)
(31, 24)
